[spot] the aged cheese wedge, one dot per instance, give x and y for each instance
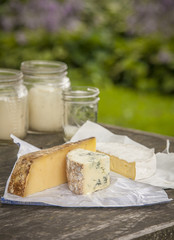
(87, 171)
(132, 161)
(35, 172)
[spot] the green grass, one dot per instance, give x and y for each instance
(144, 111)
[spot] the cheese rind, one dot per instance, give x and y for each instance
(132, 161)
(87, 171)
(35, 172)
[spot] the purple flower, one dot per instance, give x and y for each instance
(7, 23)
(21, 38)
(154, 16)
(50, 15)
(164, 57)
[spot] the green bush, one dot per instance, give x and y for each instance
(99, 51)
(103, 43)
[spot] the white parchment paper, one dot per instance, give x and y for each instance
(164, 176)
(122, 191)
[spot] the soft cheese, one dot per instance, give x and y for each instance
(35, 172)
(87, 171)
(132, 161)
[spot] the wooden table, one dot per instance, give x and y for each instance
(36, 222)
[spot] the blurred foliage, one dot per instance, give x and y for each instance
(125, 43)
(101, 42)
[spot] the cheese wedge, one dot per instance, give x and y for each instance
(87, 171)
(132, 161)
(35, 172)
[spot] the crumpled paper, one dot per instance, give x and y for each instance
(164, 176)
(122, 191)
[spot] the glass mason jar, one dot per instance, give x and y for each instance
(80, 105)
(45, 81)
(13, 105)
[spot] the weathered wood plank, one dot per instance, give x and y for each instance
(32, 222)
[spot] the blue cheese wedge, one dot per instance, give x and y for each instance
(87, 171)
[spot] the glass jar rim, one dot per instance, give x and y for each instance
(43, 67)
(80, 92)
(10, 76)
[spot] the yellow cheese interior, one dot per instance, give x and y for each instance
(50, 170)
(122, 167)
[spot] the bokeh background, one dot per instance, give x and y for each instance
(123, 47)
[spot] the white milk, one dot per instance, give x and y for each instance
(45, 108)
(69, 132)
(13, 117)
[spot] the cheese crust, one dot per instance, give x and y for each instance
(87, 171)
(132, 161)
(43, 169)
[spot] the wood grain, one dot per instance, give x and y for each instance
(33, 222)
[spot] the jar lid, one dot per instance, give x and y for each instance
(43, 67)
(45, 72)
(81, 94)
(10, 76)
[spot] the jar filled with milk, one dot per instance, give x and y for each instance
(13, 105)
(45, 81)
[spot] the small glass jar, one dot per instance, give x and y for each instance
(13, 105)
(45, 81)
(80, 105)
